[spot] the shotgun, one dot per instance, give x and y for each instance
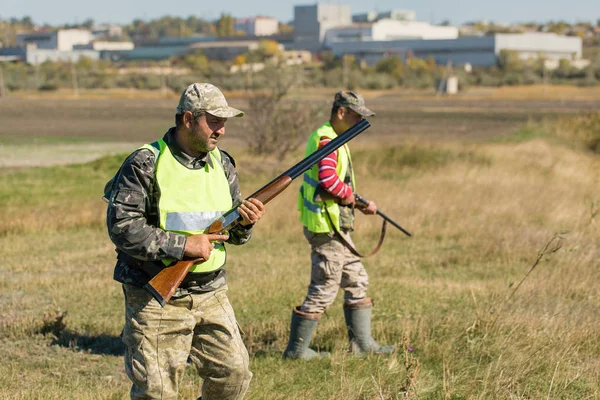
(362, 202)
(163, 285)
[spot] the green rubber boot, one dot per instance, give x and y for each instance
(302, 327)
(358, 321)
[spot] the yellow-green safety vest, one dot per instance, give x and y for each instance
(312, 213)
(190, 199)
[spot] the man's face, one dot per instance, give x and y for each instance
(206, 131)
(349, 117)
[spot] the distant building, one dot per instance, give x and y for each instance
(372, 16)
(477, 51)
(62, 40)
(257, 26)
(13, 54)
(39, 56)
(389, 29)
(103, 45)
(107, 31)
(311, 23)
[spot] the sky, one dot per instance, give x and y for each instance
(58, 12)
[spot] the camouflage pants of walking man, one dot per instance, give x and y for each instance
(333, 267)
(198, 326)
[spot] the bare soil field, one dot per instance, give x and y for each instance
(59, 130)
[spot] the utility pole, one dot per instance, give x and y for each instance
(345, 67)
(545, 76)
(37, 74)
(74, 79)
(163, 79)
(2, 87)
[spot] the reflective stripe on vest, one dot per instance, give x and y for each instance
(185, 205)
(312, 213)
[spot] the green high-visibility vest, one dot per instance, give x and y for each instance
(190, 199)
(312, 213)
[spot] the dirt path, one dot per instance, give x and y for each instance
(38, 155)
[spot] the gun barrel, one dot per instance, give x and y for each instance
(304, 165)
(364, 202)
(391, 221)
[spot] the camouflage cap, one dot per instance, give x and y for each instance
(352, 100)
(206, 97)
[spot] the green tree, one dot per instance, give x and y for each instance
(390, 65)
(225, 25)
(289, 29)
(268, 48)
(27, 22)
(329, 60)
(88, 23)
(196, 61)
(509, 61)
(559, 27)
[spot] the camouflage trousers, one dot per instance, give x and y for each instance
(200, 327)
(333, 266)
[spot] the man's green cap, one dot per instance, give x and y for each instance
(352, 100)
(207, 98)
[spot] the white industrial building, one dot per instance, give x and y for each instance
(380, 34)
(371, 16)
(104, 45)
(388, 29)
(39, 56)
(477, 51)
(311, 23)
(257, 26)
(67, 45)
(319, 25)
(62, 40)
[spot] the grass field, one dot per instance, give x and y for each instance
(497, 295)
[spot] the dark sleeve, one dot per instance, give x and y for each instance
(239, 234)
(128, 212)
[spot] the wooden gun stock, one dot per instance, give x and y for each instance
(164, 284)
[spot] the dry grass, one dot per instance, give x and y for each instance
(480, 212)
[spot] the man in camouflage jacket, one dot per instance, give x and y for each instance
(198, 323)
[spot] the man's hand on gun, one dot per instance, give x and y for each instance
(198, 247)
(367, 207)
(251, 211)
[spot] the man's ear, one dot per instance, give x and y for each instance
(188, 119)
(341, 112)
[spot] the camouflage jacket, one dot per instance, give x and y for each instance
(133, 218)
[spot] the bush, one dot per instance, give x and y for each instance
(278, 124)
(378, 81)
(513, 78)
(419, 82)
(48, 87)
(582, 128)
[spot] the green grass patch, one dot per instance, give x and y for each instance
(580, 131)
(402, 161)
(51, 140)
